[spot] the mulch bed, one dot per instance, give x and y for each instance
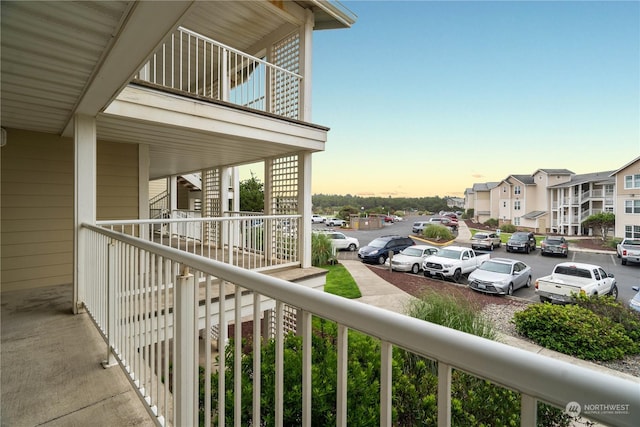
(418, 285)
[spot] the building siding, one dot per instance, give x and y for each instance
(37, 204)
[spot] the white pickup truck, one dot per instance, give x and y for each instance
(629, 250)
(452, 262)
(570, 278)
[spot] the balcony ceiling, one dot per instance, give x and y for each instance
(62, 58)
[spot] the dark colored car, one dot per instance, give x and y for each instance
(521, 241)
(552, 245)
(377, 251)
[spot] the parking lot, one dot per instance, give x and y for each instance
(626, 276)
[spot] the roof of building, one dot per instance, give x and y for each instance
(534, 214)
(484, 186)
(525, 179)
(596, 177)
(555, 171)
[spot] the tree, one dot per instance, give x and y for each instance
(603, 221)
(251, 195)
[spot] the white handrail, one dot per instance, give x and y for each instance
(535, 376)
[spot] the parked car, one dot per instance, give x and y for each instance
(317, 219)
(419, 226)
(388, 218)
(553, 245)
(410, 259)
(634, 303)
(452, 262)
(340, 241)
(397, 218)
(377, 251)
(629, 250)
(485, 241)
(332, 222)
(500, 276)
(521, 241)
(571, 278)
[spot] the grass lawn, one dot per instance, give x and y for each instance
(340, 282)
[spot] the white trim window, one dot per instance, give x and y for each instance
(632, 181)
(632, 206)
(517, 190)
(516, 220)
(516, 205)
(608, 209)
(632, 231)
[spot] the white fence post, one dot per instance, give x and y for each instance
(185, 335)
(111, 304)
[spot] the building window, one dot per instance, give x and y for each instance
(608, 209)
(516, 220)
(504, 204)
(632, 231)
(631, 181)
(516, 189)
(504, 189)
(516, 205)
(632, 206)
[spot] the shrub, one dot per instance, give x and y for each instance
(491, 222)
(508, 228)
(606, 306)
(574, 330)
(321, 250)
(437, 233)
(453, 313)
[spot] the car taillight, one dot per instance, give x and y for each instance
(536, 284)
(624, 252)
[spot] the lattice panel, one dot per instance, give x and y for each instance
(211, 203)
(285, 92)
(284, 181)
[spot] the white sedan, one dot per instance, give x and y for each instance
(332, 222)
(410, 259)
(340, 241)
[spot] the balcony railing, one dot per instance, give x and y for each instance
(151, 301)
(255, 242)
(200, 66)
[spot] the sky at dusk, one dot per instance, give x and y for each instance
(425, 98)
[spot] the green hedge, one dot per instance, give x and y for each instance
(576, 331)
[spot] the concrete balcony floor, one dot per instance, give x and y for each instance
(51, 371)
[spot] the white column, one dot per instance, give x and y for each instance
(304, 207)
(306, 43)
(235, 184)
(85, 154)
(143, 181)
(173, 202)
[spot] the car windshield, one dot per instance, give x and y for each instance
(378, 243)
(449, 253)
(519, 237)
(412, 252)
(495, 267)
(480, 236)
(632, 242)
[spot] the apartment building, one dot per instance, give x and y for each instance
(558, 200)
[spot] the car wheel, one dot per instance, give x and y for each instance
(426, 274)
(527, 249)
(381, 259)
(624, 261)
(457, 275)
(544, 299)
(614, 292)
(566, 254)
(352, 247)
(491, 247)
(508, 250)
(415, 269)
(528, 284)
(618, 255)
(541, 253)
(510, 289)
